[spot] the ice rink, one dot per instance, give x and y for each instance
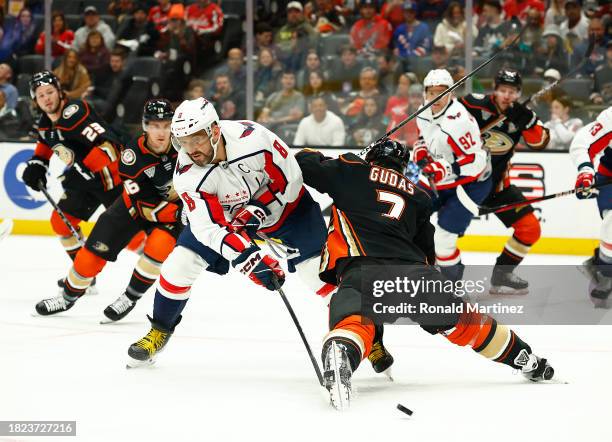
(236, 370)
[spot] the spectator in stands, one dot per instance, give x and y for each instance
(551, 53)
(369, 125)
(602, 85)
(313, 63)
(121, 9)
(195, 89)
(177, 40)
(206, 20)
(493, 33)
(344, 76)
(531, 40)
(267, 76)
(72, 75)
(228, 101)
(61, 36)
(368, 88)
(9, 90)
(284, 106)
(555, 14)
(234, 66)
(321, 127)
(138, 33)
(562, 127)
(326, 17)
(370, 34)
(598, 56)
(439, 57)
(93, 22)
(297, 32)
(450, 33)
(432, 10)
(316, 88)
(6, 112)
(94, 55)
(396, 109)
(520, 8)
(576, 21)
(412, 38)
(264, 38)
(393, 12)
(158, 15)
(110, 85)
(19, 39)
(389, 70)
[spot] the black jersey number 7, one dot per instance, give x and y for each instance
(396, 203)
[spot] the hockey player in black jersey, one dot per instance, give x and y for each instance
(500, 138)
(148, 203)
(381, 219)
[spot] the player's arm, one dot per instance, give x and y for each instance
(586, 145)
(470, 157)
(534, 133)
(318, 170)
(36, 168)
(424, 239)
(143, 200)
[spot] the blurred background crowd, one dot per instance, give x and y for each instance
(326, 72)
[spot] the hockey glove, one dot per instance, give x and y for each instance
(261, 269)
(420, 154)
(438, 170)
(35, 171)
(250, 218)
(585, 179)
(77, 178)
(522, 117)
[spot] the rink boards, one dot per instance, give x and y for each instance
(569, 226)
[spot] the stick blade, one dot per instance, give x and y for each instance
(467, 202)
(6, 227)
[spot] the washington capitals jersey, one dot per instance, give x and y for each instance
(258, 166)
(376, 212)
(81, 138)
(592, 145)
(453, 138)
(501, 138)
(148, 191)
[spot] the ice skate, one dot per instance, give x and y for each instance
(91, 290)
(534, 368)
(119, 309)
(601, 292)
(144, 351)
(505, 282)
(54, 305)
(381, 359)
(337, 374)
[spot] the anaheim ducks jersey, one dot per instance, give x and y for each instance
(148, 191)
(81, 139)
(258, 166)
(592, 145)
(376, 212)
(453, 136)
(501, 138)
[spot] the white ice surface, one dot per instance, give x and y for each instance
(236, 370)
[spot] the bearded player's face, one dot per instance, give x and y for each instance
(48, 98)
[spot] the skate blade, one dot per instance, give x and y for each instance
(107, 321)
(388, 374)
(134, 363)
(503, 290)
(339, 394)
(601, 303)
(589, 275)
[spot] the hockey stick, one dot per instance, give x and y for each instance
(60, 212)
(280, 291)
(419, 111)
(280, 250)
(478, 210)
(6, 227)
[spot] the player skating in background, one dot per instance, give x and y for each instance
(148, 203)
(85, 143)
(449, 152)
(591, 152)
(379, 218)
(500, 139)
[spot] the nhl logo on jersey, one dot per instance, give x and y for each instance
(150, 172)
(128, 157)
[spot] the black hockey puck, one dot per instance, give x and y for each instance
(403, 409)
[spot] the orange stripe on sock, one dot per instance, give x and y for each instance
(362, 327)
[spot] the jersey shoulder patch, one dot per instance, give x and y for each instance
(135, 159)
(75, 112)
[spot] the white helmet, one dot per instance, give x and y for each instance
(438, 77)
(192, 116)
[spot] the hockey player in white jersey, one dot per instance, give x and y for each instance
(450, 153)
(591, 152)
(236, 178)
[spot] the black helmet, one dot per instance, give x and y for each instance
(389, 153)
(510, 77)
(43, 78)
(157, 109)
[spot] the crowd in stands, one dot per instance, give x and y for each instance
(327, 72)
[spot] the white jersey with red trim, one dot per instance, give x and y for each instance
(592, 144)
(259, 166)
(453, 137)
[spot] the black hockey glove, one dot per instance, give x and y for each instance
(35, 171)
(522, 117)
(78, 178)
